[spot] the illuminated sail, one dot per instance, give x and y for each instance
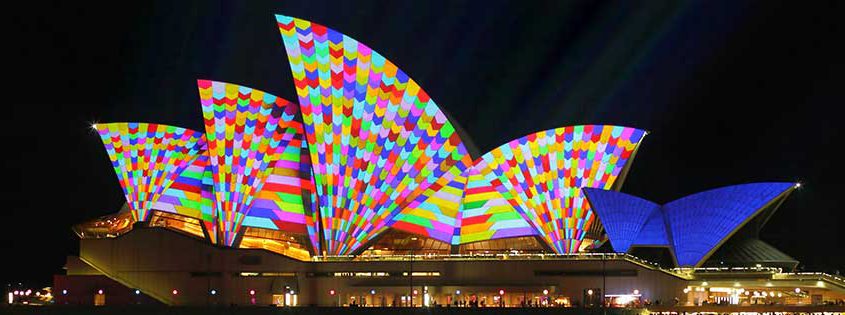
(284, 203)
(247, 130)
(377, 141)
(147, 158)
(541, 176)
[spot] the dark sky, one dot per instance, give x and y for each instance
(732, 92)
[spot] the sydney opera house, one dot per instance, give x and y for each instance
(363, 192)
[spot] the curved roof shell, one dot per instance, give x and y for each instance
(377, 141)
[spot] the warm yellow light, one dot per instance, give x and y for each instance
(590, 292)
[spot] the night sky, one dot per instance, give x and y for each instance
(732, 92)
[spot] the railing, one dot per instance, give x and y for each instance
(690, 271)
(497, 256)
(821, 276)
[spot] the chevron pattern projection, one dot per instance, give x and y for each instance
(541, 176)
(247, 130)
(377, 141)
(147, 158)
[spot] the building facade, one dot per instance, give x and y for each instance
(363, 192)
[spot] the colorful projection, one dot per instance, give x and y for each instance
(541, 176)
(435, 213)
(486, 214)
(699, 223)
(191, 195)
(284, 202)
(147, 158)
(377, 141)
(247, 130)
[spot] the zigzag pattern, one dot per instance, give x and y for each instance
(147, 158)
(246, 131)
(377, 141)
(541, 176)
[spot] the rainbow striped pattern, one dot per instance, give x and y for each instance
(486, 214)
(436, 212)
(541, 176)
(191, 194)
(147, 158)
(377, 140)
(247, 130)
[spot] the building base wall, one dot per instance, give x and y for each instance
(175, 269)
